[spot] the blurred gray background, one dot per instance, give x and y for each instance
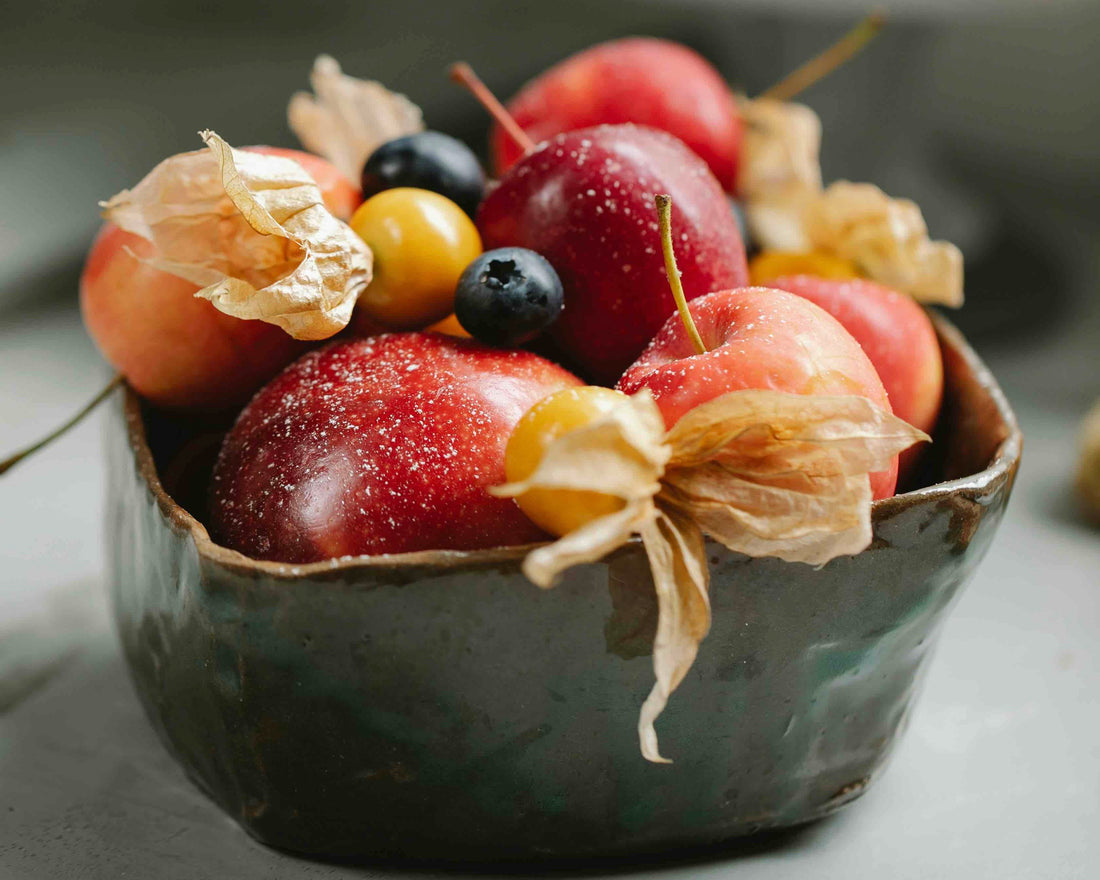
(986, 113)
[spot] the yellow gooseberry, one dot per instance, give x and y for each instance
(769, 265)
(421, 241)
(558, 511)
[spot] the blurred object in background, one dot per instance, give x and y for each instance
(1088, 469)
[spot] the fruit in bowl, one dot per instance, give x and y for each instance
(421, 706)
(584, 200)
(898, 338)
(177, 350)
(756, 338)
(346, 648)
(380, 445)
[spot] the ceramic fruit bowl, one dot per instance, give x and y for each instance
(439, 706)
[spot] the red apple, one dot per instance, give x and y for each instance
(176, 350)
(651, 82)
(379, 445)
(584, 200)
(756, 338)
(896, 334)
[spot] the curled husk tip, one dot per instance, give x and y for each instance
(346, 118)
(252, 231)
(762, 472)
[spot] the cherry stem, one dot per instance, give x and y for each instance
(822, 65)
(8, 463)
(464, 75)
(664, 221)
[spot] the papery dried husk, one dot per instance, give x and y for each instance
(348, 118)
(678, 562)
(780, 170)
(786, 475)
(787, 210)
(253, 232)
(763, 472)
(887, 239)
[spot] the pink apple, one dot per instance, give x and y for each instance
(174, 349)
(896, 334)
(756, 338)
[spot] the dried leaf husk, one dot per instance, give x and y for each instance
(780, 171)
(763, 472)
(787, 209)
(347, 119)
(888, 240)
(253, 232)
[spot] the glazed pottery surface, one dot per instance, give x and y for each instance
(439, 706)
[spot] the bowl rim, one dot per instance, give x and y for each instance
(1001, 465)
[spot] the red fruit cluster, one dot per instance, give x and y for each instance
(388, 444)
(584, 200)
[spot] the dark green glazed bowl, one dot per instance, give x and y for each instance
(439, 706)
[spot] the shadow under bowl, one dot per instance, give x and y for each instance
(438, 706)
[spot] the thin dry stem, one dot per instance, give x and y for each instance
(464, 75)
(664, 220)
(822, 65)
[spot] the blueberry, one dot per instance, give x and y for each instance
(427, 160)
(508, 296)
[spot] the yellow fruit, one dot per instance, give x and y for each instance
(421, 241)
(558, 511)
(769, 265)
(450, 327)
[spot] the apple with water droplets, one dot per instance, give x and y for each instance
(584, 201)
(386, 444)
(756, 338)
(898, 337)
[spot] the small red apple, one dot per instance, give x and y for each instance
(652, 82)
(379, 445)
(756, 338)
(176, 350)
(896, 335)
(584, 200)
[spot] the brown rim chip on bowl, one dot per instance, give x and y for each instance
(437, 705)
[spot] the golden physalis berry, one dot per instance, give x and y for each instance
(421, 242)
(449, 326)
(559, 511)
(769, 265)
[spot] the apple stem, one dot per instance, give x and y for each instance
(10, 462)
(664, 221)
(464, 75)
(822, 65)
